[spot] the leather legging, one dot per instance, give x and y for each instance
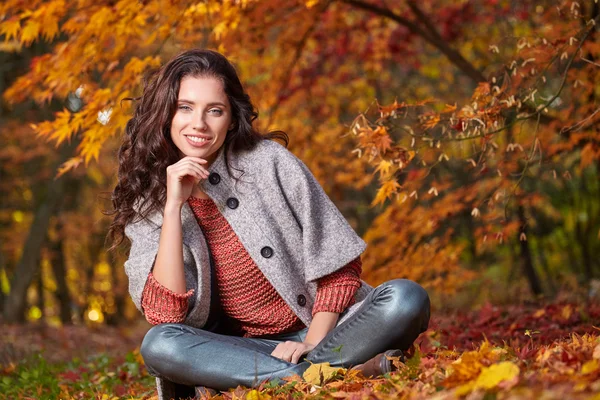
(391, 317)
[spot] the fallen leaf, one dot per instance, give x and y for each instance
(490, 377)
(318, 374)
(590, 367)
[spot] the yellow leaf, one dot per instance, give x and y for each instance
(30, 32)
(10, 28)
(384, 168)
(68, 165)
(567, 311)
(317, 374)
(256, 395)
(449, 108)
(50, 29)
(590, 366)
(387, 190)
(465, 389)
(539, 313)
(491, 376)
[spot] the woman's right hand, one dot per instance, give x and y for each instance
(181, 178)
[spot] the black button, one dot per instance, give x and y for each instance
(214, 178)
(233, 203)
(301, 300)
(266, 252)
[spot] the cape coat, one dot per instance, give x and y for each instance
(283, 218)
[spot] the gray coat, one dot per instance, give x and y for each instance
(282, 216)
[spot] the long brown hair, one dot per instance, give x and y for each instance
(148, 149)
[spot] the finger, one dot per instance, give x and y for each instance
(192, 163)
(190, 169)
(296, 356)
(277, 352)
(287, 356)
(196, 166)
(198, 159)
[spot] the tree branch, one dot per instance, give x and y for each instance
(287, 75)
(432, 38)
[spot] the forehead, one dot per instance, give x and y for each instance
(202, 90)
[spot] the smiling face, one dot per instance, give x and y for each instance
(202, 118)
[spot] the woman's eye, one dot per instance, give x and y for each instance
(184, 107)
(216, 111)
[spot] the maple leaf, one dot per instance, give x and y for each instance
(320, 373)
(430, 120)
(30, 32)
(62, 127)
(256, 395)
(68, 165)
(384, 167)
(386, 190)
(10, 28)
(386, 111)
(483, 89)
(50, 29)
(449, 108)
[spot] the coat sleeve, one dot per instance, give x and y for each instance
(144, 237)
(328, 241)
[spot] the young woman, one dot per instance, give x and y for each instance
(243, 264)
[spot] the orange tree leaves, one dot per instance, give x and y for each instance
(310, 66)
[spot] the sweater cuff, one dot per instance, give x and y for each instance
(161, 305)
(335, 292)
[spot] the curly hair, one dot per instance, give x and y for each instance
(147, 149)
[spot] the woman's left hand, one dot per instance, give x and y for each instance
(292, 351)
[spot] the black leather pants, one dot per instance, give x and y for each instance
(391, 317)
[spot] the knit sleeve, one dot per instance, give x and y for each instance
(335, 292)
(161, 305)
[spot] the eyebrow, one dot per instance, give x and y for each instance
(214, 103)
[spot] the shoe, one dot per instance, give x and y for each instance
(203, 393)
(379, 364)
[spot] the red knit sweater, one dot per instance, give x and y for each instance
(245, 293)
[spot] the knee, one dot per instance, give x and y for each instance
(156, 348)
(407, 301)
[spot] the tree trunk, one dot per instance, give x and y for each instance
(118, 293)
(528, 268)
(14, 307)
(41, 303)
(60, 272)
(546, 267)
(2, 272)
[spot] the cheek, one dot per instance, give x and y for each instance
(179, 120)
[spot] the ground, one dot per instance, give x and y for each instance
(531, 351)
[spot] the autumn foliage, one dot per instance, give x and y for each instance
(461, 139)
(479, 154)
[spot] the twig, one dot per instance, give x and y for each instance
(523, 172)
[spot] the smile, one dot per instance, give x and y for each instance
(196, 139)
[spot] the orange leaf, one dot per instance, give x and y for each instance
(449, 108)
(387, 190)
(68, 165)
(10, 28)
(30, 32)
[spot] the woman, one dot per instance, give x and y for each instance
(243, 264)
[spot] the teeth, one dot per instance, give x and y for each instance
(196, 139)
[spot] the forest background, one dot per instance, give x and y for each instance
(459, 138)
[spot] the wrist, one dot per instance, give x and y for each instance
(173, 208)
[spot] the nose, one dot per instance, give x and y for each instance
(199, 123)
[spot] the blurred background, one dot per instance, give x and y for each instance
(459, 138)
